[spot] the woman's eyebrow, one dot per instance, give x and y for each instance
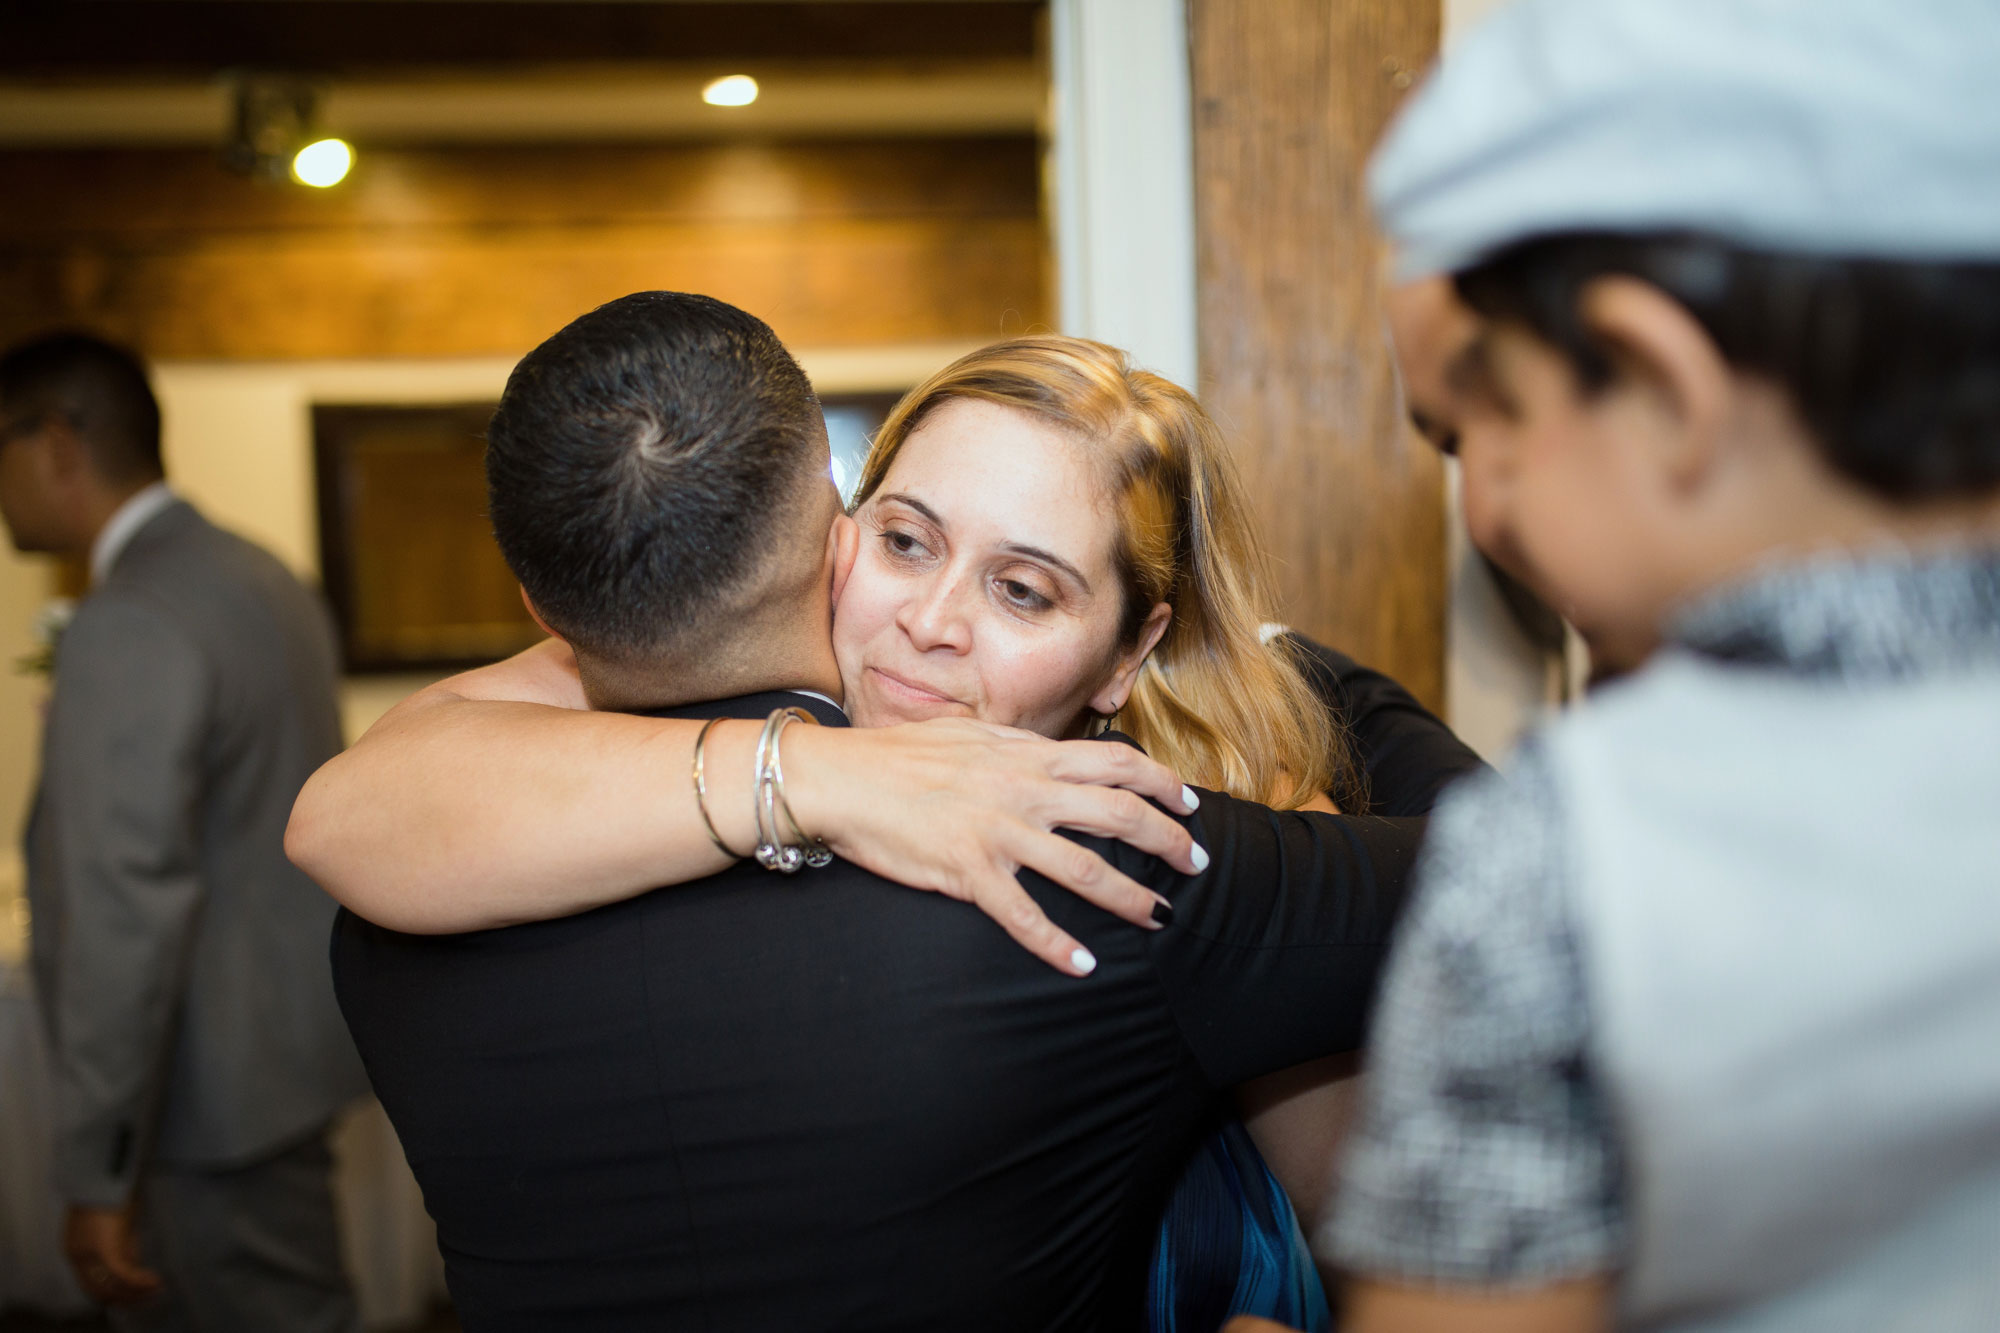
(1049, 558)
(930, 515)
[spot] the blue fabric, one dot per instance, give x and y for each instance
(1230, 1244)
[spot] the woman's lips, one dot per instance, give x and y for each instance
(909, 691)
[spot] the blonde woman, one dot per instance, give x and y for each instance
(1045, 539)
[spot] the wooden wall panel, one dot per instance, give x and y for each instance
(1289, 97)
(487, 251)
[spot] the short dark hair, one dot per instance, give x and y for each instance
(98, 388)
(1893, 366)
(645, 465)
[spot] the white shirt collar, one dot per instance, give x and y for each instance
(815, 694)
(124, 525)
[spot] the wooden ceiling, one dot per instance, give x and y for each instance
(62, 39)
(518, 162)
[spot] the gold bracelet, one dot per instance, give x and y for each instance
(701, 792)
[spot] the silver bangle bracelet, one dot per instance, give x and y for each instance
(816, 853)
(774, 850)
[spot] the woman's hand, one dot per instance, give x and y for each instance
(958, 806)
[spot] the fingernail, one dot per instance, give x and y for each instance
(1200, 858)
(1189, 799)
(1163, 911)
(1083, 961)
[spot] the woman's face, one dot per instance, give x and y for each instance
(984, 584)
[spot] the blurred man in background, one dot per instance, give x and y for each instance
(179, 958)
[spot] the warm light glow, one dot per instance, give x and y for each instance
(323, 163)
(736, 90)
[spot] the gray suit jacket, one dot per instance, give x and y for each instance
(181, 960)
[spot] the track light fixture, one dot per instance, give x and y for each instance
(274, 133)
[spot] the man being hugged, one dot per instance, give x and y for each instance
(1694, 1021)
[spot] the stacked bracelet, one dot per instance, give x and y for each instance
(774, 850)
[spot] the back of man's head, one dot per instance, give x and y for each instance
(98, 390)
(658, 475)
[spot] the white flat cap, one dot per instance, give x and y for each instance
(1838, 127)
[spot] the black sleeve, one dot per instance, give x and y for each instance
(1274, 951)
(1409, 754)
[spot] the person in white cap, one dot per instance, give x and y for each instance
(1695, 1021)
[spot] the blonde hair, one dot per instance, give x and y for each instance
(1213, 701)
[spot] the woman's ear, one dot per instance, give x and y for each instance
(1111, 695)
(843, 544)
(1680, 384)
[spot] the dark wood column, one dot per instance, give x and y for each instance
(1289, 97)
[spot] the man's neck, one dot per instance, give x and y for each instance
(740, 670)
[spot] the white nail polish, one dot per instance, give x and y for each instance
(1200, 858)
(1189, 799)
(1083, 960)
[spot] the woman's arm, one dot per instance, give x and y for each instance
(494, 798)
(1299, 1118)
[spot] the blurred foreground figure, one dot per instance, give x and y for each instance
(1694, 1022)
(179, 959)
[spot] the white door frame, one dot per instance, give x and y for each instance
(1123, 180)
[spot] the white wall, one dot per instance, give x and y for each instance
(1122, 183)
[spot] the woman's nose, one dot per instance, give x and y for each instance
(938, 616)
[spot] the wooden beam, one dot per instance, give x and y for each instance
(479, 252)
(1289, 97)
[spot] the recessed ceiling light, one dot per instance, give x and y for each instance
(322, 163)
(733, 90)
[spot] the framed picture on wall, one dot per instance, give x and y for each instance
(406, 551)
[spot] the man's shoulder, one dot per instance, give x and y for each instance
(181, 539)
(214, 584)
(121, 624)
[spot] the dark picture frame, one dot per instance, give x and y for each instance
(407, 555)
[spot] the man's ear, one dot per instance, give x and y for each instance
(843, 545)
(66, 455)
(1111, 695)
(529, 602)
(1682, 381)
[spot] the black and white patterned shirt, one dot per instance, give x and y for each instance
(1486, 1156)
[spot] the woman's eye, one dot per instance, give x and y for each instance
(901, 544)
(1020, 596)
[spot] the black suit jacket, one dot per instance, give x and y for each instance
(829, 1102)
